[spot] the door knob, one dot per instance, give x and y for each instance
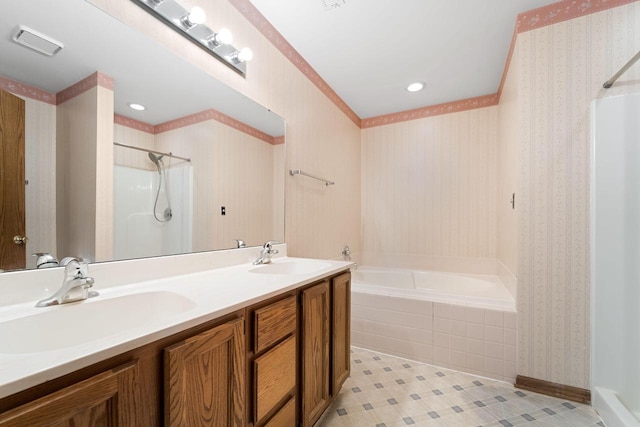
(20, 240)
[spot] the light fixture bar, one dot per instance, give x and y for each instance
(182, 21)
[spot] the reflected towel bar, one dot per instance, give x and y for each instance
(624, 68)
(299, 172)
(152, 151)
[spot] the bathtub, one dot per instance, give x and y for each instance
(481, 291)
(457, 321)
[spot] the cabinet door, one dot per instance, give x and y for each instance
(315, 352)
(107, 399)
(204, 378)
(341, 337)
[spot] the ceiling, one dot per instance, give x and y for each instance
(143, 71)
(368, 51)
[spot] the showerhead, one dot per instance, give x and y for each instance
(156, 159)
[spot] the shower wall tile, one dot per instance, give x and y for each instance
(429, 186)
(559, 70)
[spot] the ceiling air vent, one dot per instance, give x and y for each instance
(332, 4)
(36, 41)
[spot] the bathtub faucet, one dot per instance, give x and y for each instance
(346, 253)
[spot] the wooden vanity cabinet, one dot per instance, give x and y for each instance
(272, 361)
(204, 364)
(340, 331)
(204, 378)
(326, 352)
(106, 399)
(316, 330)
(278, 363)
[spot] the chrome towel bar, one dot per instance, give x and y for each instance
(293, 172)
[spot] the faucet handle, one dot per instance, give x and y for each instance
(270, 243)
(66, 260)
(77, 267)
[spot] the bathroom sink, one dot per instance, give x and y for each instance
(73, 324)
(291, 267)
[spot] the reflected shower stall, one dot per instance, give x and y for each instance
(153, 194)
(615, 228)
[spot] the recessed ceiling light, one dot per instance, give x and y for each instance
(137, 107)
(415, 87)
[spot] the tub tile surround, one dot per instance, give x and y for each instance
(467, 339)
(387, 391)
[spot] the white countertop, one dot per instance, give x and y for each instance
(210, 294)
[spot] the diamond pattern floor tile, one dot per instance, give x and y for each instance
(387, 391)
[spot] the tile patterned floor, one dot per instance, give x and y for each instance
(386, 391)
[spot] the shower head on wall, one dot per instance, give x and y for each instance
(156, 159)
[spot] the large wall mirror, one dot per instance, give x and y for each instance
(201, 166)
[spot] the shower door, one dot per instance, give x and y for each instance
(615, 245)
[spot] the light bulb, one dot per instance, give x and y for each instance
(245, 55)
(224, 36)
(197, 16)
(221, 37)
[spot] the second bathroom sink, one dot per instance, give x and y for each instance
(286, 266)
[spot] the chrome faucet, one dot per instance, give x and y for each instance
(75, 286)
(240, 243)
(266, 253)
(45, 260)
(346, 253)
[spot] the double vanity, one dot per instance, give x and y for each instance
(231, 344)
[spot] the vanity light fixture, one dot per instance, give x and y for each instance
(193, 18)
(223, 36)
(245, 54)
(191, 25)
(137, 107)
(416, 87)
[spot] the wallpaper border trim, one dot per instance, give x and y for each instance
(553, 13)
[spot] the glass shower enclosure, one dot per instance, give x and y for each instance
(615, 246)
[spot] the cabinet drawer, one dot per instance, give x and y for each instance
(274, 322)
(275, 377)
(285, 417)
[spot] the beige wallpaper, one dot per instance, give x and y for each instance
(40, 162)
(133, 158)
(560, 69)
(230, 169)
(319, 139)
(85, 209)
(508, 137)
(429, 186)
